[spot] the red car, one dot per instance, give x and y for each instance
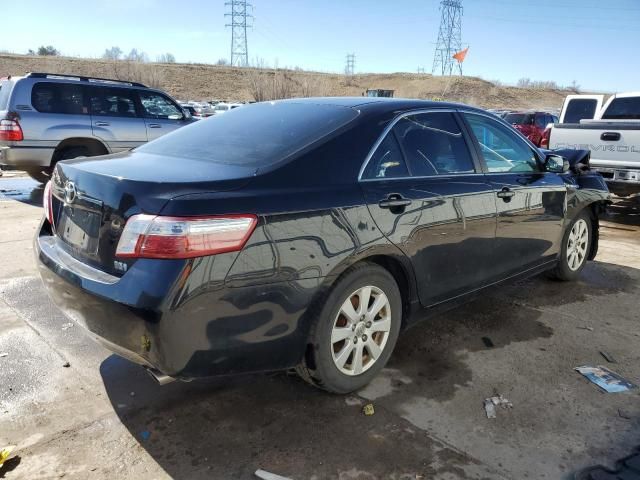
(531, 124)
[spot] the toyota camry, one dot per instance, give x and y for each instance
(306, 233)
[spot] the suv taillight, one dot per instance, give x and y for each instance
(46, 202)
(10, 131)
(149, 236)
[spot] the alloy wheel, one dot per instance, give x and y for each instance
(577, 244)
(360, 330)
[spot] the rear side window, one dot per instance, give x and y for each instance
(623, 109)
(579, 109)
(112, 102)
(258, 135)
(433, 144)
(519, 118)
(158, 106)
(64, 98)
(387, 161)
(541, 121)
(5, 90)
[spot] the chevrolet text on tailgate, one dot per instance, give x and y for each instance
(306, 233)
(611, 133)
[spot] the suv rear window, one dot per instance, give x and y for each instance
(48, 97)
(519, 118)
(258, 135)
(579, 109)
(5, 91)
(627, 108)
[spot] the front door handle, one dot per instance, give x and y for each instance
(155, 125)
(102, 124)
(394, 201)
(506, 193)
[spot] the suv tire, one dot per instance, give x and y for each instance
(349, 343)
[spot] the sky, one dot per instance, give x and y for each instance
(561, 40)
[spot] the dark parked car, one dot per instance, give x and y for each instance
(305, 233)
(531, 124)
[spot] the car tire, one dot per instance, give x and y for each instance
(349, 346)
(41, 176)
(576, 245)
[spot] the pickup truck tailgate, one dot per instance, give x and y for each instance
(612, 143)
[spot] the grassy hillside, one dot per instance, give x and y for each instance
(206, 82)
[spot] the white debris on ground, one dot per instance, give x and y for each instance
(491, 403)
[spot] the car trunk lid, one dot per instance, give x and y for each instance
(91, 204)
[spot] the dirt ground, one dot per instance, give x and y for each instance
(208, 82)
(103, 417)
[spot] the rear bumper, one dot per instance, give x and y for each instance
(163, 315)
(24, 157)
(620, 180)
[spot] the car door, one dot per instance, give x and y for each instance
(531, 203)
(424, 190)
(161, 114)
(115, 119)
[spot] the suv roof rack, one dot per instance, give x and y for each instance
(62, 76)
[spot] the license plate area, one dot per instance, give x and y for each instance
(79, 228)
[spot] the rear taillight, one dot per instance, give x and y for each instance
(149, 236)
(546, 136)
(10, 131)
(46, 202)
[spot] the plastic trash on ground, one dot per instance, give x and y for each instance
(5, 453)
(605, 379)
(491, 403)
(269, 476)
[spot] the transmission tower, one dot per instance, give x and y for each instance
(350, 67)
(449, 38)
(239, 14)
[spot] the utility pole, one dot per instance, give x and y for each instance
(239, 14)
(350, 67)
(449, 38)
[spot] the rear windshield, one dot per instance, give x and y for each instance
(519, 118)
(5, 90)
(258, 135)
(579, 109)
(623, 109)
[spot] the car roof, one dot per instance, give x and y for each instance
(392, 104)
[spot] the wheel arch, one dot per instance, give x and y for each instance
(95, 147)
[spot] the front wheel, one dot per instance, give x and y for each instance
(576, 245)
(355, 330)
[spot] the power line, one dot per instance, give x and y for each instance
(350, 67)
(239, 14)
(449, 38)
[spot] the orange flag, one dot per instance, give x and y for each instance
(460, 56)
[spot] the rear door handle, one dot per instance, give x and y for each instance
(155, 125)
(506, 193)
(610, 136)
(102, 124)
(394, 201)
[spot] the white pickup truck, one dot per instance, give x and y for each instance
(611, 132)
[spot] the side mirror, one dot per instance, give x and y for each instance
(184, 116)
(556, 164)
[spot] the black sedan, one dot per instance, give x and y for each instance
(306, 233)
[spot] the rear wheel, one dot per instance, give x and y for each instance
(355, 330)
(42, 175)
(576, 246)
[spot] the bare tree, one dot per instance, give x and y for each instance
(222, 61)
(137, 56)
(48, 51)
(113, 53)
(166, 58)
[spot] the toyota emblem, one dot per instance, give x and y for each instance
(69, 192)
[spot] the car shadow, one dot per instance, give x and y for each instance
(230, 426)
(21, 189)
